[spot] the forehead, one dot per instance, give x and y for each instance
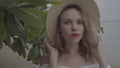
(71, 13)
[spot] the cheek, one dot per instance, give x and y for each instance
(82, 30)
(65, 31)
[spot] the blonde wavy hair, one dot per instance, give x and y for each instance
(89, 40)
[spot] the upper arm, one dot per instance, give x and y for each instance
(44, 60)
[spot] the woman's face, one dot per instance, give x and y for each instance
(71, 25)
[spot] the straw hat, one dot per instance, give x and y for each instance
(88, 6)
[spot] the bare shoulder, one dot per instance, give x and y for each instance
(44, 60)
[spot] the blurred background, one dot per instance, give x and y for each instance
(110, 21)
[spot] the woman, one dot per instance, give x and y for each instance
(72, 29)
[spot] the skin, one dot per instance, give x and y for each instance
(71, 23)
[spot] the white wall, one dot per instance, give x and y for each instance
(9, 59)
(111, 42)
(110, 18)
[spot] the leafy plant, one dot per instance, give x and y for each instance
(22, 22)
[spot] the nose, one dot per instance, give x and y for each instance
(74, 27)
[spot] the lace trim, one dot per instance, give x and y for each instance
(88, 66)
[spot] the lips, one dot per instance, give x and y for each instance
(75, 35)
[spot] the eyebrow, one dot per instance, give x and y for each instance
(81, 19)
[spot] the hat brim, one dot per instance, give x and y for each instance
(88, 6)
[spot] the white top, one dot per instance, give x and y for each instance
(89, 66)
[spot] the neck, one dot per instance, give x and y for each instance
(72, 49)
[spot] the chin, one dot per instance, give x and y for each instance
(76, 41)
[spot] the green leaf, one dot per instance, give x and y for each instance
(1, 45)
(21, 33)
(33, 32)
(34, 20)
(10, 24)
(5, 4)
(36, 60)
(17, 47)
(54, 1)
(34, 2)
(7, 40)
(21, 30)
(14, 26)
(26, 6)
(2, 27)
(34, 54)
(43, 33)
(102, 29)
(41, 14)
(25, 16)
